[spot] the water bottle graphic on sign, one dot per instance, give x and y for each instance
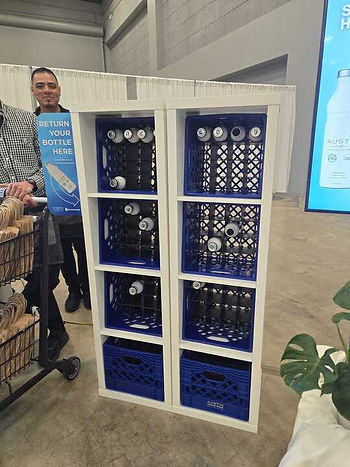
(335, 164)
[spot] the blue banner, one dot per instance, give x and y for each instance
(58, 158)
(329, 172)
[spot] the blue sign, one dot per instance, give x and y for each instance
(329, 171)
(58, 158)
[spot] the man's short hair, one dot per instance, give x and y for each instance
(43, 69)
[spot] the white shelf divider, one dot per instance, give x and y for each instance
(128, 270)
(123, 195)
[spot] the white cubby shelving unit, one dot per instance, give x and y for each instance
(177, 112)
(170, 116)
(84, 128)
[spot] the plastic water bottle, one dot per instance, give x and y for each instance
(214, 244)
(196, 285)
(115, 135)
(132, 208)
(203, 134)
(335, 164)
(255, 134)
(136, 287)
(118, 183)
(131, 135)
(231, 229)
(238, 133)
(220, 133)
(146, 224)
(145, 134)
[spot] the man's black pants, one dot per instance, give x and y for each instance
(32, 294)
(76, 281)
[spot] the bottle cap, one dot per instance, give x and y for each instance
(111, 134)
(214, 244)
(201, 132)
(255, 132)
(231, 229)
(141, 133)
(218, 132)
(127, 134)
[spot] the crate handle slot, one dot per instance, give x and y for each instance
(106, 228)
(132, 360)
(218, 339)
(104, 157)
(214, 376)
(139, 326)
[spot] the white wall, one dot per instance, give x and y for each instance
(52, 49)
(129, 54)
(270, 72)
(33, 40)
(189, 25)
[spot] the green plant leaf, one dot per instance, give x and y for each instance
(343, 315)
(341, 391)
(304, 367)
(342, 297)
(328, 388)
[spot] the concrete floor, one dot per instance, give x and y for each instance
(67, 424)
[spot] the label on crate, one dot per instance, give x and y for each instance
(215, 405)
(58, 159)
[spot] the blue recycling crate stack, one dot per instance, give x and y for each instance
(123, 162)
(219, 195)
(224, 157)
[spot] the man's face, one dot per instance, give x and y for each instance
(46, 90)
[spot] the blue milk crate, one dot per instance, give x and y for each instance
(134, 367)
(238, 255)
(215, 384)
(136, 162)
(140, 312)
(121, 240)
(225, 168)
(220, 315)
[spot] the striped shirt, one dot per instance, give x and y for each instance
(19, 148)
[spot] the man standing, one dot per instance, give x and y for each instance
(47, 92)
(21, 170)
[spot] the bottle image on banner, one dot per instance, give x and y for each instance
(60, 177)
(335, 164)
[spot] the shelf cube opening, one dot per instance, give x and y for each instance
(215, 384)
(134, 367)
(229, 164)
(220, 239)
(133, 303)
(220, 315)
(133, 160)
(129, 239)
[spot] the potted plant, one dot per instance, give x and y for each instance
(303, 369)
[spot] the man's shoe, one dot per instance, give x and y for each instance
(73, 301)
(87, 300)
(55, 343)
